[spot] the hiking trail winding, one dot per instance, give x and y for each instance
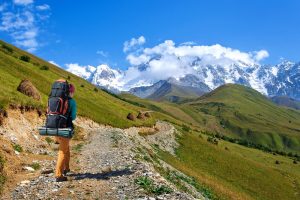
(107, 166)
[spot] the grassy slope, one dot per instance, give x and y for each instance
(245, 113)
(174, 93)
(236, 172)
(167, 108)
(99, 106)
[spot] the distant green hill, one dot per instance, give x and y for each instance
(175, 93)
(286, 101)
(242, 112)
(238, 112)
(16, 65)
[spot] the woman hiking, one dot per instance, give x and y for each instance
(63, 160)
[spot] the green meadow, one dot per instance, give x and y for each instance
(232, 171)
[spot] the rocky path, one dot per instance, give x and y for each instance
(108, 166)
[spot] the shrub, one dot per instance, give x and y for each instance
(78, 147)
(186, 128)
(212, 140)
(159, 190)
(69, 77)
(147, 184)
(277, 162)
(2, 177)
(25, 58)
(295, 162)
(17, 148)
(81, 85)
(96, 89)
(7, 48)
(35, 166)
(44, 67)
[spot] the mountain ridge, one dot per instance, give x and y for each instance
(282, 79)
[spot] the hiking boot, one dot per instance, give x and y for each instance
(66, 171)
(61, 179)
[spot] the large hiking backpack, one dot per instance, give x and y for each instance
(58, 104)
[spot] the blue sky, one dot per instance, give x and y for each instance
(93, 32)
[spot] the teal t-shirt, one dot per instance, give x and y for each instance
(73, 109)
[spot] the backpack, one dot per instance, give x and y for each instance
(58, 104)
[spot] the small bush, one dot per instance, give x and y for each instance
(7, 48)
(212, 140)
(25, 58)
(295, 162)
(69, 77)
(2, 177)
(277, 162)
(147, 184)
(161, 190)
(186, 128)
(44, 67)
(96, 89)
(81, 85)
(35, 166)
(17, 148)
(78, 147)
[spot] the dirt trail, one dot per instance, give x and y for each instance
(108, 166)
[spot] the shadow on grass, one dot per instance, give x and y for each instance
(101, 176)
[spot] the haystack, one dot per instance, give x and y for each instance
(147, 114)
(141, 115)
(27, 88)
(131, 117)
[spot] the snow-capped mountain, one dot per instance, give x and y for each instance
(102, 76)
(278, 80)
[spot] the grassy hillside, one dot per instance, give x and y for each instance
(168, 108)
(242, 112)
(92, 102)
(174, 93)
(237, 112)
(232, 171)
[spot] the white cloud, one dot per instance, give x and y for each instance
(214, 54)
(43, 7)
(170, 60)
(54, 63)
(133, 43)
(83, 71)
(260, 55)
(165, 60)
(102, 53)
(22, 23)
(22, 2)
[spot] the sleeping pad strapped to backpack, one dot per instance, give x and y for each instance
(58, 104)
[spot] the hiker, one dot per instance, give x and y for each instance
(62, 166)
